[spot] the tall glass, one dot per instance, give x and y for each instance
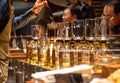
(39, 45)
(64, 56)
(90, 29)
(103, 28)
(43, 48)
(67, 31)
(63, 31)
(37, 31)
(34, 51)
(77, 28)
(59, 33)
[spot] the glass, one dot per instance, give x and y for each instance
(90, 29)
(52, 30)
(34, 53)
(59, 35)
(63, 31)
(18, 42)
(37, 31)
(43, 48)
(106, 57)
(103, 28)
(64, 56)
(67, 31)
(86, 57)
(77, 28)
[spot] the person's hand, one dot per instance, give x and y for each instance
(39, 4)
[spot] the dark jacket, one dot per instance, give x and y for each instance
(116, 30)
(83, 10)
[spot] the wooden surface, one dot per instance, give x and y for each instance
(17, 54)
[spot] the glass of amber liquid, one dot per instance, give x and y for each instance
(43, 46)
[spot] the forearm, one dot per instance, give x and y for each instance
(22, 20)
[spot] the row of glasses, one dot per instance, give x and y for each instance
(97, 29)
(72, 53)
(63, 55)
(89, 29)
(70, 30)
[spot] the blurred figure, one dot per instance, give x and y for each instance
(112, 9)
(7, 19)
(82, 8)
(69, 14)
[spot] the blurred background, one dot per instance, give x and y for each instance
(21, 6)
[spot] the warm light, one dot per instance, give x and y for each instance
(51, 48)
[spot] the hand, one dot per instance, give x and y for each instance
(39, 4)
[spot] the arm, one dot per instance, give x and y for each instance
(23, 19)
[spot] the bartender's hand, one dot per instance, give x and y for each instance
(39, 4)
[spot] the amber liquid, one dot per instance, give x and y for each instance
(34, 56)
(66, 59)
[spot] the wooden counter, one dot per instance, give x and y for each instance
(17, 54)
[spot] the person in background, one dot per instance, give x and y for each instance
(82, 8)
(112, 9)
(69, 14)
(8, 21)
(77, 10)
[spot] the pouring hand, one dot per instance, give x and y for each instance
(39, 4)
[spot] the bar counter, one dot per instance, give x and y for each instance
(20, 63)
(103, 55)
